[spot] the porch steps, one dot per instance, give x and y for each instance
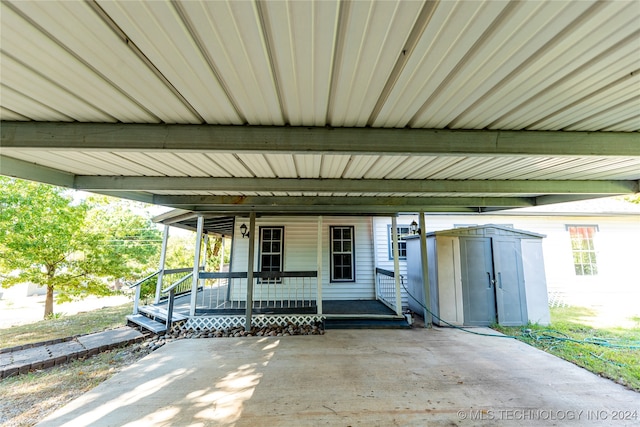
(154, 318)
(160, 313)
(147, 323)
(360, 323)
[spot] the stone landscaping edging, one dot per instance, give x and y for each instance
(274, 330)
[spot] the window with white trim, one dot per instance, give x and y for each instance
(343, 267)
(403, 232)
(271, 250)
(583, 249)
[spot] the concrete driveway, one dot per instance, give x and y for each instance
(354, 378)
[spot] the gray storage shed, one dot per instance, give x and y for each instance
(481, 275)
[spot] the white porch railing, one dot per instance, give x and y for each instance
(386, 287)
(169, 278)
(271, 290)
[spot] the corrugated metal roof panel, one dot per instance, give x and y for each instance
(302, 38)
(581, 32)
(445, 65)
(6, 114)
(333, 166)
(386, 165)
(230, 35)
(373, 36)
(77, 28)
(624, 95)
(204, 163)
(358, 166)
(282, 165)
(257, 165)
(231, 164)
(415, 167)
(503, 46)
(56, 64)
(308, 165)
(166, 42)
(120, 166)
(452, 31)
(29, 107)
(160, 164)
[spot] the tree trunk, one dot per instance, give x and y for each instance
(48, 305)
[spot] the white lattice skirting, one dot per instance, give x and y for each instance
(557, 298)
(210, 323)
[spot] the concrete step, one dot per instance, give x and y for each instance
(147, 323)
(346, 323)
(160, 313)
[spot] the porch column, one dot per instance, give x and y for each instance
(163, 257)
(203, 266)
(222, 245)
(250, 262)
(319, 267)
(396, 264)
(425, 271)
(196, 266)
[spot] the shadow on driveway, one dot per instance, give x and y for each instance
(351, 377)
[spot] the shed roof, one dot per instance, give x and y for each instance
(486, 230)
(325, 106)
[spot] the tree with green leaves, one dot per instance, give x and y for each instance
(73, 248)
(633, 199)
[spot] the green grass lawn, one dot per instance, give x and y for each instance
(612, 352)
(66, 326)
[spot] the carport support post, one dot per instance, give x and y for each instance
(425, 271)
(319, 267)
(396, 264)
(163, 257)
(250, 262)
(203, 267)
(196, 267)
(222, 249)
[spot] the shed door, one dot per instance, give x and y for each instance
(492, 281)
(510, 292)
(478, 296)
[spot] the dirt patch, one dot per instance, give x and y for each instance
(27, 399)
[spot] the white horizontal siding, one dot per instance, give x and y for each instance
(617, 244)
(382, 244)
(300, 251)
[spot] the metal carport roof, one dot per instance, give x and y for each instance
(324, 107)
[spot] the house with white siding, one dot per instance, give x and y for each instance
(590, 247)
(298, 268)
(309, 268)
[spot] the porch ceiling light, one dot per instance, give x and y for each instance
(243, 230)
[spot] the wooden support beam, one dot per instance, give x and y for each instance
(345, 205)
(150, 183)
(24, 170)
(307, 140)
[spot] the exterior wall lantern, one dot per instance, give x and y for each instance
(243, 230)
(414, 228)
